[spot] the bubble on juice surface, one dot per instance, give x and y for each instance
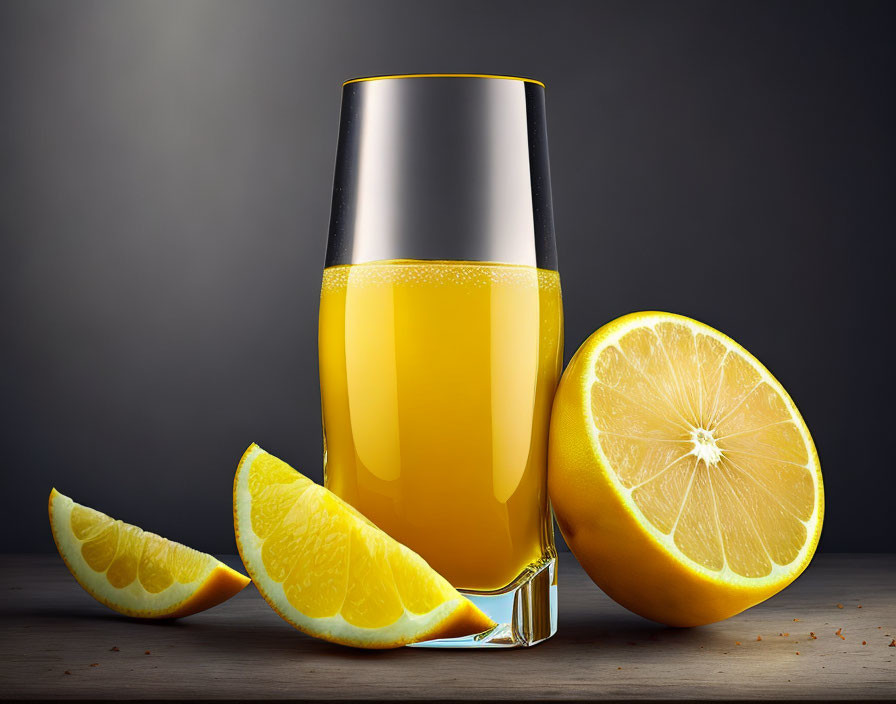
(412, 272)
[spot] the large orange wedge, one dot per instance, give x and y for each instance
(330, 572)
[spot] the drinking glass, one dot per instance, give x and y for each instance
(441, 334)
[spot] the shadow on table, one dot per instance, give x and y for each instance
(623, 631)
(93, 615)
(609, 634)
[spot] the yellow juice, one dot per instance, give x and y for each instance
(436, 386)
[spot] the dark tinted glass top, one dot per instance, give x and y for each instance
(442, 167)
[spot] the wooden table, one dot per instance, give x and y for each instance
(242, 650)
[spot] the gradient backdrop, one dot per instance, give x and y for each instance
(166, 170)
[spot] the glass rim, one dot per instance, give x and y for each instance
(443, 75)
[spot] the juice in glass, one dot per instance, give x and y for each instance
(437, 379)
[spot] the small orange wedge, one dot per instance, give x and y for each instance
(135, 572)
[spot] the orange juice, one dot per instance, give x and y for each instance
(437, 379)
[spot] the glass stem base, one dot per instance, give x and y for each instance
(525, 612)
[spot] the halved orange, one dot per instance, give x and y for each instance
(328, 571)
(135, 572)
(682, 474)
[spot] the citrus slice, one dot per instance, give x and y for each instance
(682, 475)
(328, 571)
(135, 572)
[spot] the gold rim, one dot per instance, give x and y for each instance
(444, 75)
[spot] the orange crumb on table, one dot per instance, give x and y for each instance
(864, 643)
(797, 652)
(113, 649)
(618, 668)
(812, 635)
(795, 620)
(758, 637)
(737, 642)
(893, 643)
(146, 653)
(839, 606)
(784, 634)
(839, 633)
(94, 664)
(859, 606)
(67, 672)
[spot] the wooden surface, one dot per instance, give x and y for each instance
(242, 650)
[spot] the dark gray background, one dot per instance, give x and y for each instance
(166, 171)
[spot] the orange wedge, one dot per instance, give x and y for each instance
(330, 572)
(135, 572)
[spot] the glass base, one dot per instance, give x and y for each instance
(525, 611)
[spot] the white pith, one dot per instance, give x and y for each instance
(704, 449)
(133, 597)
(409, 627)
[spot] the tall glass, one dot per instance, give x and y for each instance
(441, 334)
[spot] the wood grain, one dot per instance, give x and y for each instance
(242, 650)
